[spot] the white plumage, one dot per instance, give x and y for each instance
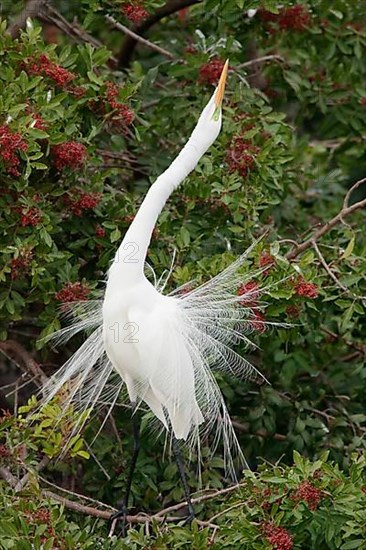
(163, 346)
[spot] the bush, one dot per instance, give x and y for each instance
(84, 130)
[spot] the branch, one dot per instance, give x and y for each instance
(160, 517)
(8, 476)
(346, 210)
(32, 9)
(131, 42)
(74, 30)
(39, 467)
(29, 365)
(260, 60)
(138, 38)
(202, 498)
(245, 428)
(328, 270)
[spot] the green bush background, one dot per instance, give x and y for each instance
(304, 108)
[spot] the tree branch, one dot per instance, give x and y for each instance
(130, 42)
(28, 364)
(346, 211)
(32, 9)
(260, 60)
(138, 38)
(75, 31)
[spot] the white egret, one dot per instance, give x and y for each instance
(163, 346)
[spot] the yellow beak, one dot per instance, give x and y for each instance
(221, 85)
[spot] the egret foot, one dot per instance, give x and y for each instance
(191, 516)
(116, 517)
(178, 456)
(123, 511)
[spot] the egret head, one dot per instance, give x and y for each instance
(209, 123)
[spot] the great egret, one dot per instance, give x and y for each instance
(163, 346)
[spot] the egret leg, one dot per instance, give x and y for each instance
(180, 464)
(122, 513)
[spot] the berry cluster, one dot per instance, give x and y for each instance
(30, 216)
(100, 231)
(241, 155)
(123, 115)
(73, 292)
(307, 492)
(69, 154)
(20, 264)
(4, 451)
(83, 201)
(293, 311)
(45, 67)
(210, 72)
(258, 321)
(44, 517)
(278, 537)
(249, 293)
(134, 11)
(266, 259)
(39, 123)
(296, 18)
(303, 288)
(10, 145)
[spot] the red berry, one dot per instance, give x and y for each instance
(308, 493)
(100, 231)
(69, 154)
(77, 204)
(279, 537)
(241, 155)
(211, 71)
(134, 11)
(45, 67)
(249, 292)
(258, 321)
(73, 292)
(309, 290)
(10, 145)
(30, 216)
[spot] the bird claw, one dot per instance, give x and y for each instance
(188, 521)
(114, 518)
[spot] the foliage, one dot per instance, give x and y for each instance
(83, 133)
(316, 504)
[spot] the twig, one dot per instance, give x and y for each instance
(260, 60)
(138, 38)
(28, 364)
(88, 510)
(78, 495)
(140, 29)
(245, 428)
(198, 499)
(219, 514)
(328, 270)
(33, 8)
(346, 210)
(75, 31)
(8, 476)
(24, 480)
(161, 516)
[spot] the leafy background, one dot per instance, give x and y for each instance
(290, 150)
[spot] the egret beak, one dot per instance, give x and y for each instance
(220, 90)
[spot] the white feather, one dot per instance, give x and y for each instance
(163, 347)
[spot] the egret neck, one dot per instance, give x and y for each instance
(129, 261)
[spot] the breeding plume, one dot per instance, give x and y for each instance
(164, 347)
